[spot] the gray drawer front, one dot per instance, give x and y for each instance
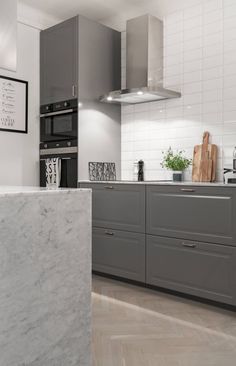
(194, 213)
(200, 269)
(119, 253)
(118, 206)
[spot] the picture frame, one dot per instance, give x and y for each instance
(13, 105)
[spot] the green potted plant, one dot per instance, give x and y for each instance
(175, 162)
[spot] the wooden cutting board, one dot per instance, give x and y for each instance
(204, 161)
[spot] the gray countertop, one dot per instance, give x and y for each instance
(163, 183)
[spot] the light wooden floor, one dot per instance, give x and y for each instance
(133, 326)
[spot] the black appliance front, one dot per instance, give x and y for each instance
(59, 121)
(69, 162)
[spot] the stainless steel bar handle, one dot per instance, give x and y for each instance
(56, 113)
(187, 190)
(73, 91)
(60, 158)
(188, 245)
(110, 233)
(109, 187)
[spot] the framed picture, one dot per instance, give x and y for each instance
(13, 105)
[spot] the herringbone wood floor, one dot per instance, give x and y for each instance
(133, 326)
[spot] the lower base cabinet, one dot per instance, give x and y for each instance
(119, 253)
(200, 269)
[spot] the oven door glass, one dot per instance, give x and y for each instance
(59, 128)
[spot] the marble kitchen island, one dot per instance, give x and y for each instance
(45, 277)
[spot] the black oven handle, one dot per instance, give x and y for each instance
(56, 113)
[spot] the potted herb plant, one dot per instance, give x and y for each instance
(175, 162)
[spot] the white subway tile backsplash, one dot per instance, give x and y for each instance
(212, 28)
(192, 44)
(211, 5)
(199, 61)
(193, 55)
(229, 104)
(212, 107)
(192, 11)
(191, 77)
(174, 28)
(173, 18)
(192, 88)
(229, 81)
(192, 110)
(213, 50)
(213, 39)
(230, 10)
(191, 99)
(213, 16)
(173, 60)
(192, 33)
(190, 23)
(213, 73)
(174, 39)
(212, 118)
(213, 61)
(230, 93)
(192, 66)
(229, 46)
(212, 95)
(170, 50)
(230, 116)
(212, 84)
(173, 70)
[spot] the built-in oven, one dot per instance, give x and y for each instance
(59, 121)
(67, 152)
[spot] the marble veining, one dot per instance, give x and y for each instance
(45, 277)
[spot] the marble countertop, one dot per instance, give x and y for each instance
(45, 276)
(163, 183)
(28, 189)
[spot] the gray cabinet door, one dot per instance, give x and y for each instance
(59, 62)
(118, 206)
(200, 269)
(119, 253)
(195, 213)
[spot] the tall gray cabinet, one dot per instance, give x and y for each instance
(81, 59)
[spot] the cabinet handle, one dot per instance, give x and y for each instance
(73, 91)
(186, 245)
(109, 187)
(187, 190)
(110, 233)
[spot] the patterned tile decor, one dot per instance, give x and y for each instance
(102, 171)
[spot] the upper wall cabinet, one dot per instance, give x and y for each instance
(59, 62)
(8, 25)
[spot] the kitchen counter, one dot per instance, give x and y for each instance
(163, 183)
(45, 276)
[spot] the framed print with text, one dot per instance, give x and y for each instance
(13, 105)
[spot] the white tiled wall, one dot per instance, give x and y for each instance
(199, 61)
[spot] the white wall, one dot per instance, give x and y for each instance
(19, 153)
(200, 61)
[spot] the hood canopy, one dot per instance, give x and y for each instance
(144, 64)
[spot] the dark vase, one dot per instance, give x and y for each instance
(177, 176)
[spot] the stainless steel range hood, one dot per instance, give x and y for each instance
(144, 64)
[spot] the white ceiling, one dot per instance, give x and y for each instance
(110, 12)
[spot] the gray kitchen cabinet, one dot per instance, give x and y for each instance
(59, 62)
(118, 206)
(201, 269)
(119, 253)
(206, 214)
